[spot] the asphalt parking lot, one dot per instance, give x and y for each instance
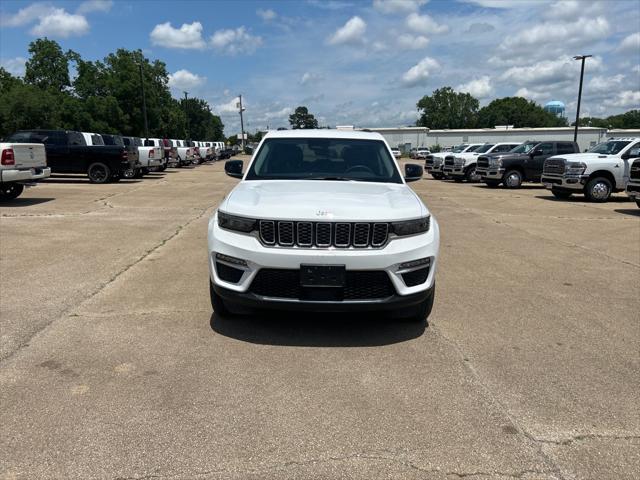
(113, 366)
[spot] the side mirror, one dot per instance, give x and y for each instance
(412, 172)
(233, 168)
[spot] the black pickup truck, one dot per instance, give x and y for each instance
(68, 152)
(522, 164)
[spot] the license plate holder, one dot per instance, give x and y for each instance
(322, 276)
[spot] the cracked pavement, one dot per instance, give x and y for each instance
(113, 366)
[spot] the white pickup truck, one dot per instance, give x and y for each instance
(21, 164)
(463, 166)
(596, 173)
(184, 153)
(434, 162)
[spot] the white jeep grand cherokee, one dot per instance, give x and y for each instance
(323, 220)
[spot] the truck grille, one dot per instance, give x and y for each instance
(429, 161)
(359, 285)
(554, 166)
(281, 233)
(448, 161)
(635, 171)
(483, 162)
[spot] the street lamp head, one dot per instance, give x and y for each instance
(581, 57)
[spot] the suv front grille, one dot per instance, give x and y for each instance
(635, 171)
(429, 161)
(323, 234)
(554, 166)
(448, 161)
(359, 285)
(483, 162)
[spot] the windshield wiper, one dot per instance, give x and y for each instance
(345, 179)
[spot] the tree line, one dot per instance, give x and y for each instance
(103, 96)
(448, 109)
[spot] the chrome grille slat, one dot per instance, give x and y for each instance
(635, 171)
(288, 233)
(554, 166)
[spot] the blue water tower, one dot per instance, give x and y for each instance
(556, 107)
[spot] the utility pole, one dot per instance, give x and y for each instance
(186, 116)
(583, 58)
(241, 121)
(144, 104)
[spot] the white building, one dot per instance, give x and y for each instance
(407, 138)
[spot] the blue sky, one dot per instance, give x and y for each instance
(365, 63)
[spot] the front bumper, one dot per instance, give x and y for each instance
(564, 182)
(633, 190)
(388, 259)
(454, 171)
(492, 173)
(25, 175)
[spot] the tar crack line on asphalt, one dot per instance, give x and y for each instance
(102, 286)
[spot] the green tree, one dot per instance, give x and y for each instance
(446, 108)
(48, 65)
(630, 119)
(519, 112)
(301, 119)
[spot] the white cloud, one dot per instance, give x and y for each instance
(631, 43)
(564, 69)
(419, 73)
(605, 84)
(279, 114)
(230, 106)
(532, 94)
(398, 6)
(233, 42)
(188, 36)
(626, 99)
(309, 77)
(504, 4)
(26, 15)
(478, 87)
(425, 25)
(94, 6)
(266, 15)
(351, 32)
(411, 42)
(60, 23)
(572, 9)
(15, 66)
(556, 35)
(184, 79)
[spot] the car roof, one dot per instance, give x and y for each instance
(324, 133)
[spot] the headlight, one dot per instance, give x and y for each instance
(411, 227)
(459, 161)
(575, 168)
(495, 162)
(239, 224)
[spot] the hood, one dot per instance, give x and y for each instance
(323, 200)
(589, 157)
(506, 156)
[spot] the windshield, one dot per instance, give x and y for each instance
(472, 148)
(324, 159)
(458, 148)
(523, 148)
(612, 147)
(484, 148)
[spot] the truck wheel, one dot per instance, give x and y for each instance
(130, 173)
(437, 176)
(560, 194)
(139, 173)
(492, 183)
(512, 179)
(9, 191)
(145, 171)
(98, 173)
(471, 176)
(178, 162)
(217, 303)
(598, 190)
(458, 179)
(115, 178)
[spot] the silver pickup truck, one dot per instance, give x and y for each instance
(21, 164)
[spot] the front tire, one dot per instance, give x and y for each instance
(492, 183)
(10, 191)
(437, 176)
(471, 176)
(598, 190)
(512, 179)
(130, 173)
(99, 173)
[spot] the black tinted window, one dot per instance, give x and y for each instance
(546, 148)
(565, 147)
(76, 138)
(324, 159)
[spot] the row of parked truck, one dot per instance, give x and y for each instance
(32, 155)
(611, 166)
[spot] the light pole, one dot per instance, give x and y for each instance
(186, 116)
(583, 58)
(144, 104)
(241, 121)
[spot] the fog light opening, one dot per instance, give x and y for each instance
(422, 262)
(232, 260)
